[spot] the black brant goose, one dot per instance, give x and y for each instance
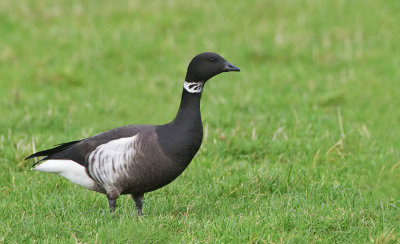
(136, 159)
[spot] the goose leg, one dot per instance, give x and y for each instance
(112, 201)
(112, 204)
(139, 202)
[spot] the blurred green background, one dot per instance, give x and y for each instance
(301, 146)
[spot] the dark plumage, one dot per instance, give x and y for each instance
(136, 159)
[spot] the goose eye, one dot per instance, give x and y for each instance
(211, 59)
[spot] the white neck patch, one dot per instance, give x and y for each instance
(193, 87)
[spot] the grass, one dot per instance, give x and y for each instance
(301, 146)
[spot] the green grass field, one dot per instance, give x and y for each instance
(302, 146)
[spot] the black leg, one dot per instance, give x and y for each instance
(112, 202)
(139, 203)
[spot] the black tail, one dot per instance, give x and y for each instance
(51, 151)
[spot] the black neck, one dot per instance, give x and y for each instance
(189, 109)
(181, 138)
